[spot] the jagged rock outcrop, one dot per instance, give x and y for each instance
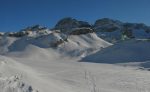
(107, 25)
(18, 34)
(135, 30)
(67, 24)
(114, 30)
(79, 31)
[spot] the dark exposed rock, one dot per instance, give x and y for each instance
(106, 25)
(110, 30)
(127, 30)
(17, 34)
(79, 31)
(147, 30)
(34, 28)
(57, 43)
(104, 21)
(67, 24)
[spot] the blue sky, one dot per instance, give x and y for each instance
(17, 14)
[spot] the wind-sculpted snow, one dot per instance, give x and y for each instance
(123, 52)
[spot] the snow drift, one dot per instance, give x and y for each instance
(123, 52)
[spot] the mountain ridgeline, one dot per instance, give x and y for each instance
(107, 29)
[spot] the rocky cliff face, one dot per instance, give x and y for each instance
(108, 29)
(107, 25)
(68, 24)
(80, 31)
(114, 30)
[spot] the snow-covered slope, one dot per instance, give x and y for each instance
(44, 70)
(123, 52)
(12, 75)
(83, 44)
(18, 77)
(38, 69)
(74, 45)
(5, 42)
(36, 59)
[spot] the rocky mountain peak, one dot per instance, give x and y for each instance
(67, 24)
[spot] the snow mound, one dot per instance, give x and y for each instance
(123, 52)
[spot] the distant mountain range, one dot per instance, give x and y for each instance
(107, 29)
(69, 57)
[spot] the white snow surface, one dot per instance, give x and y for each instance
(31, 65)
(123, 52)
(83, 44)
(75, 45)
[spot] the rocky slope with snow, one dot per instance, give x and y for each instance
(114, 30)
(76, 57)
(74, 44)
(108, 29)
